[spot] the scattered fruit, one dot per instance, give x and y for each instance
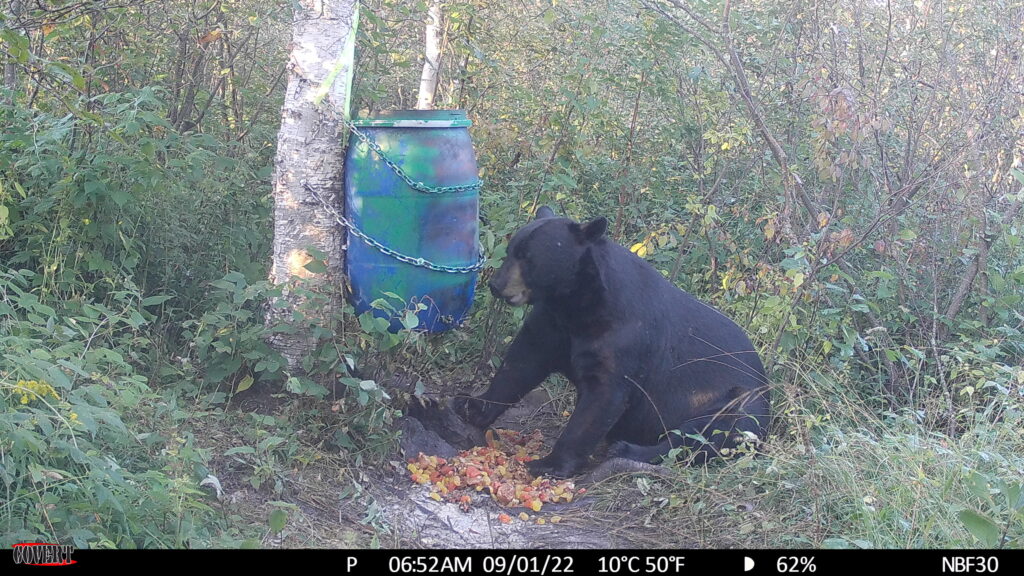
(498, 468)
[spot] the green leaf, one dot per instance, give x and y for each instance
(294, 385)
(410, 320)
(270, 442)
(156, 300)
(981, 527)
(93, 187)
(278, 519)
(998, 282)
(39, 353)
(366, 322)
(835, 544)
(17, 45)
(316, 266)
(235, 277)
(68, 73)
(244, 384)
(1014, 492)
(344, 440)
(218, 371)
(119, 196)
(978, 485)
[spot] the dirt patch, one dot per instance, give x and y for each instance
(422, 521)
(426, 523)
(393, 512)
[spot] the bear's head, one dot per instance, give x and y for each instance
(548, 258)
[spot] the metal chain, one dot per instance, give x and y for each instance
(421, 262)
(414, 184)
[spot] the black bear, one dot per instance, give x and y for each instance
(653, 367)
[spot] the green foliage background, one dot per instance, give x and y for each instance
(843, 178)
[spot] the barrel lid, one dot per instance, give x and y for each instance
(416, 119)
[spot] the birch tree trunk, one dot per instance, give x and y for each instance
(432, 58)
(310, 149)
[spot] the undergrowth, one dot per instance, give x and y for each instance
(878, 266)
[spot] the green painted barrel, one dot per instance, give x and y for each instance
(415, 236)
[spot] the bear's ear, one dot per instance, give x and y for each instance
(595, 228)
(545, 212)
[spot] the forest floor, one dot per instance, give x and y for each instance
(316, 491)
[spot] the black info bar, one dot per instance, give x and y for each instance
(560, 562)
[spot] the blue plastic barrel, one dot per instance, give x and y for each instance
(422, 229)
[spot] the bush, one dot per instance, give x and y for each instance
(72, 470)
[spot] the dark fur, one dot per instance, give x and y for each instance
(645, 357)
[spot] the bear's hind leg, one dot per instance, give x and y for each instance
(719, 432)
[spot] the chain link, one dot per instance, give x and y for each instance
(369, 241)
(414, 184)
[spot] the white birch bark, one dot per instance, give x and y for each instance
(432, 58)
(309, 147)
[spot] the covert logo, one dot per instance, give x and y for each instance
(39, 554)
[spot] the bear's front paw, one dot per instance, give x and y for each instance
(554, 467)
(472, 410)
